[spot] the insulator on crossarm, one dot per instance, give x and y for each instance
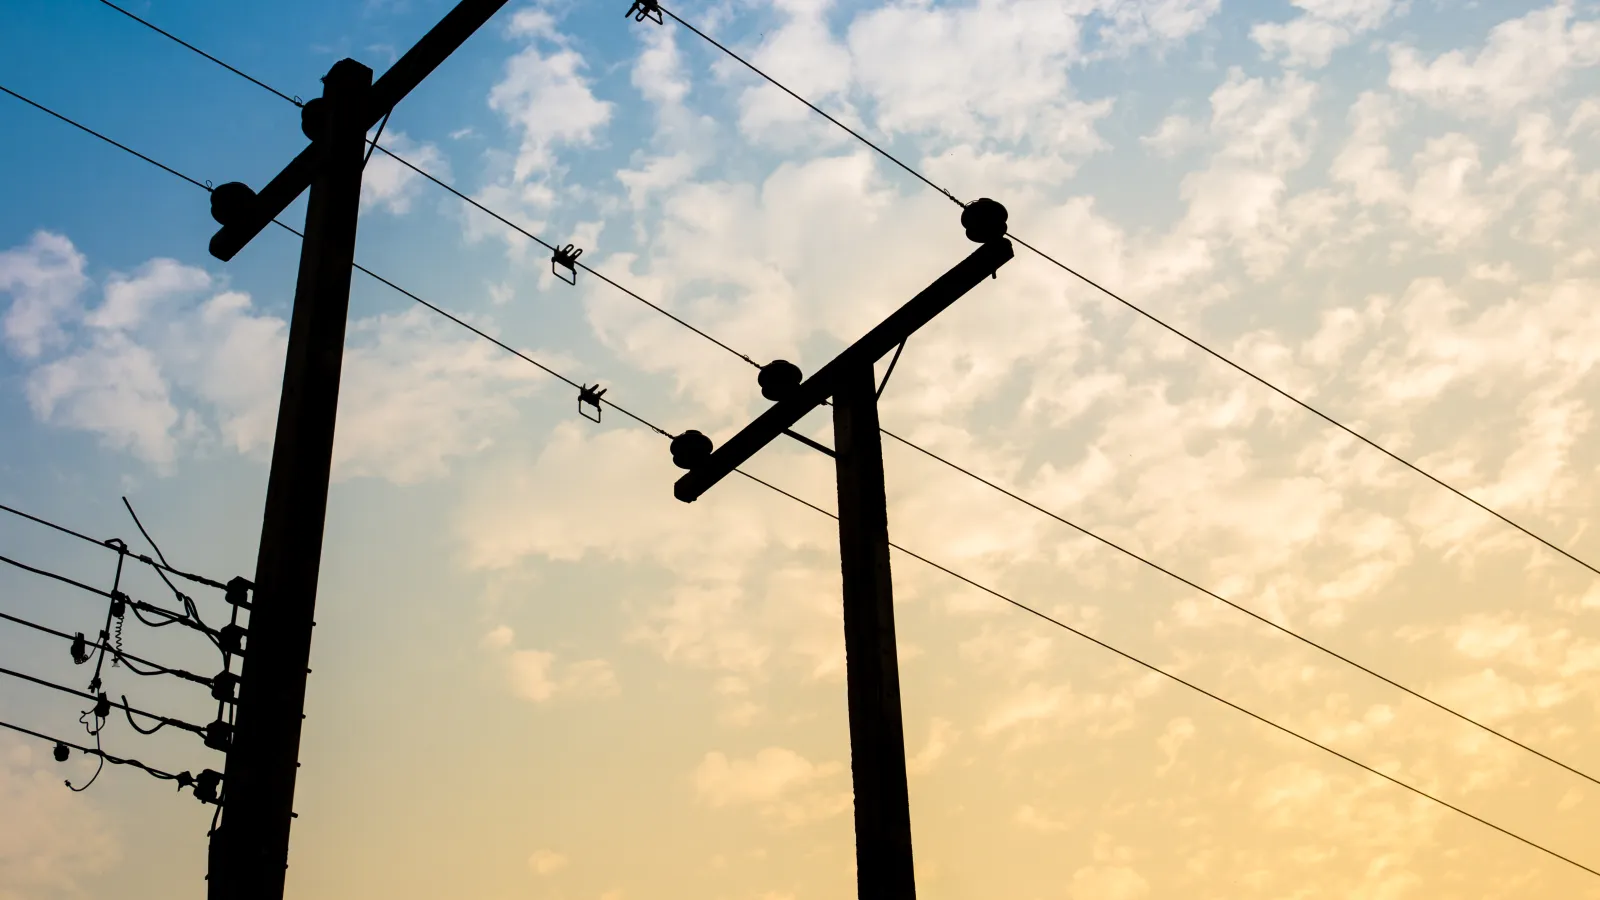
(206, 784)
(690, 449)
(238, 592)
(224, 687)
(219, 735)
(984, 220)
(231, 203)
(314, 118)
(779, 379)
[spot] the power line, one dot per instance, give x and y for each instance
(99, 644)
(1009, 600)
(548, 246)
(445, 185)
(1151, 316)
(112, 543)
(958, 468)
(114, 760)
(164, 720)
(137, 606)
(775, 83)
(1244, 609)
(1308, 641)
(170, 36)
(1189, 684)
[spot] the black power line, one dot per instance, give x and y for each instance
(168, 617)
(127, 658)
(1188, 684)
(948, 463)
(1149, 315)
(164, 720)
(114, 760)
(952, 465)
(1007, 599)
(112, 543)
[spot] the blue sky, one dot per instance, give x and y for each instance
(536, 674)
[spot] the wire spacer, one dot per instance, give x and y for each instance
(566, 257)
(645, 9)
(591, 395)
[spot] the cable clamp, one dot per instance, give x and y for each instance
(566, 257)
(591, 394)
(645, 9)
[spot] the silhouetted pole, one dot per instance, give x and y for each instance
(250, 849)
(872, 670)
(250, 852)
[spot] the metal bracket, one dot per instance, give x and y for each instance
(889, 371)
(810, 443)
(645, 9)
(567, 257)
(591, 395)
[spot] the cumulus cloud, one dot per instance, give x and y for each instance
(50, 838)
(1524, 59)
(391, 186)
(44, 278)
(1321, 28)
(169, 362)
(545, 95)
(780, 783)
(537, 675)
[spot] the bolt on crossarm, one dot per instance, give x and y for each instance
(884, 868)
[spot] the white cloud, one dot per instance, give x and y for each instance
(113, 388)
(44, 279)
(545, 96)
(978, 74)
(536, 676)
(159, 369)
(1523, 60)
(1174, 135)
(779, 782)
(1322, 27)
(388, 185)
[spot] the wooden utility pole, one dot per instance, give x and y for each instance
(877, 740)
(249, 851)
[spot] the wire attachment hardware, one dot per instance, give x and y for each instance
(645, 9)
(80, 649)
(206, 784)
(567, 258)
(591, 394)
(237, 590)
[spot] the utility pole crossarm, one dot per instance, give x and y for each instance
(916, 312)
(387, 92)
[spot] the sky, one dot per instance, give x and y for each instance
(537, 675)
